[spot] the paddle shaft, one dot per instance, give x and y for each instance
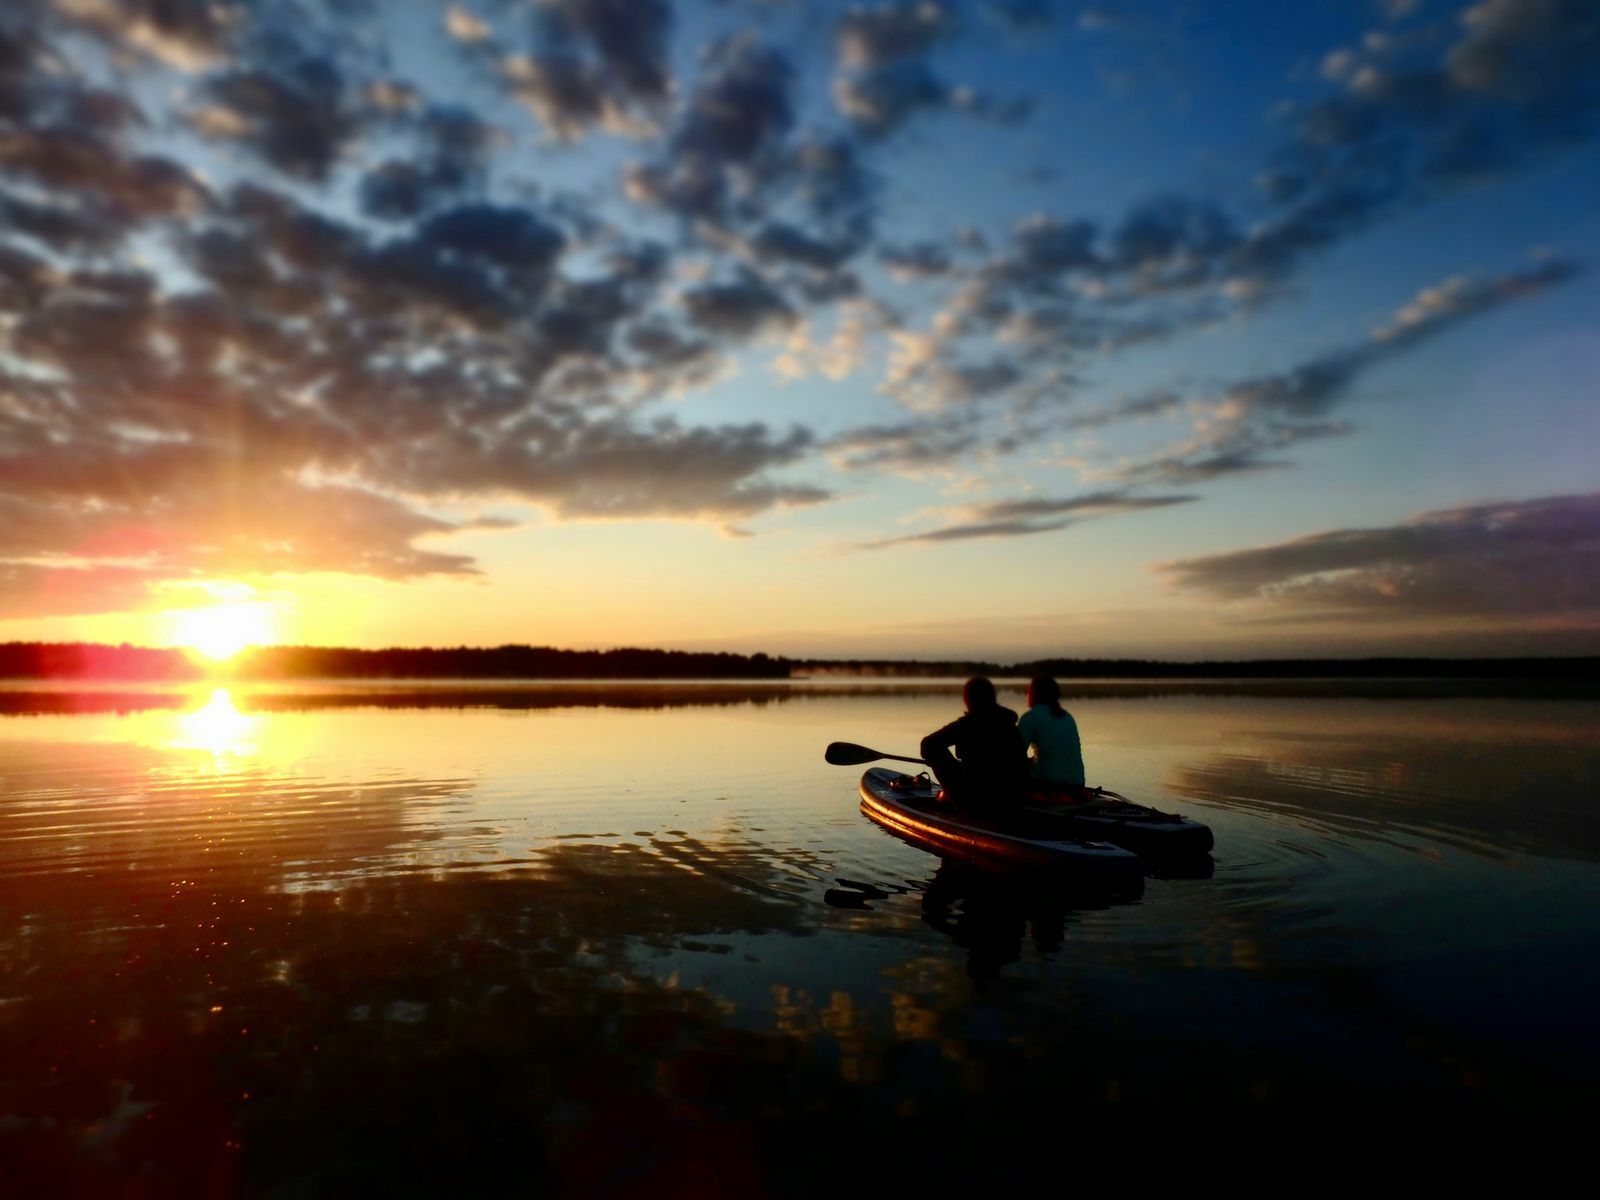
(848, 754)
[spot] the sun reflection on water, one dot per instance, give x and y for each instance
(218, 728)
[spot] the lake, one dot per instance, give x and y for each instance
(638, 939)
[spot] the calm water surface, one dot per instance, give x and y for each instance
(638, 939)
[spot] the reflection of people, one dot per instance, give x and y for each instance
(990, 764)
(987, 916)
(1052, 736)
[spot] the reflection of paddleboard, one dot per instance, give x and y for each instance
(1098, 813)
(1029, 840)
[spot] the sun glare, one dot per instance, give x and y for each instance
(220, 631)
(218, 728)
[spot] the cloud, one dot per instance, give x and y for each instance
(1522, 559)
(73, 229)
(465, 26)
(511, 239)
(360, 295)
(972, 531)
(1093, 504)
(839, 355)
(596, 63)
(834, 182)
(1312, 388)
(872, 37)
(884, 78)
(1232, 446)
(1246, 425)
(1172, 233)
(730, 139)
(294, 388)
(1411, 117)
(568, 96)
(295, 113)
(739, 309)
(451, 158)
(908, 447)
(32, 590)
(741, 107)
(157, 512)
(1045, 248)
(1526, 52)
(789, 244)
(90, 164)
(1435, 309)
(885, 98)
(1032, 515)
(187, 34)
(1155, 404)
(918, 261)
(628, 37)
(1515, 82)
(617, 469)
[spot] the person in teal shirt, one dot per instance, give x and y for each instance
(1051, 735)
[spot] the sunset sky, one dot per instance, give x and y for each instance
(1004, 329)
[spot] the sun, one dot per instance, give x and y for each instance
(219, 631)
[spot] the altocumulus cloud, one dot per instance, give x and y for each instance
(1529, 559)
(1490, 90)
(1246, 425)
(296, 387)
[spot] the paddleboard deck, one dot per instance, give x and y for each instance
(1028, 841)
(1135, 827)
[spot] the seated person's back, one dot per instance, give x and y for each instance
(990, 764)
(1052, 734)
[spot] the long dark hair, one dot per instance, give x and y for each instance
(1045, 690)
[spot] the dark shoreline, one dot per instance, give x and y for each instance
(1520, 668)
(38, 698)
(89, 662)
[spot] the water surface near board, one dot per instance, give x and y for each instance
(631, 939)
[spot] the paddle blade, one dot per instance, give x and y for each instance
(848, 754)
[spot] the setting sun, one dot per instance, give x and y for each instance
(220, 631)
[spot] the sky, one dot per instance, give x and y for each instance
(1005, 329)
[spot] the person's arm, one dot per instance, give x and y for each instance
(1029, 729)
(1025, 728)
(941, 739)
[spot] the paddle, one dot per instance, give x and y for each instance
(848, 754)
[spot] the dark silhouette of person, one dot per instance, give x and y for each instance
(989, 768)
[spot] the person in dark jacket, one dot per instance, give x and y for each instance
(990, 764)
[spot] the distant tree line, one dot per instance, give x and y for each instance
(86, 660)
(503, 662)
(894, 668)
(89, 661)
(1265, 668)
(78, 660)
(1315, 668)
